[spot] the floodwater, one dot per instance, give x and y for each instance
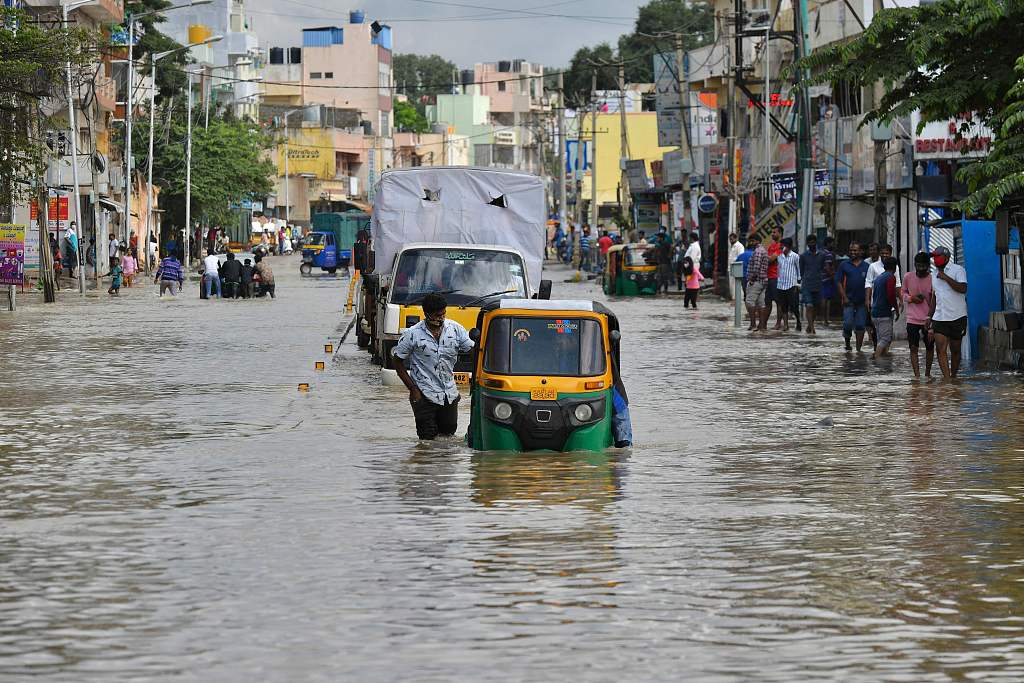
(172, 508)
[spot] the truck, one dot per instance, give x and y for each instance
(329, 245)
(471, 234)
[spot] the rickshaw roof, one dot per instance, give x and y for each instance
(553, 305)
(617, 247)
(548, 304)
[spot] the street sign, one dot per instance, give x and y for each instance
(707, 203)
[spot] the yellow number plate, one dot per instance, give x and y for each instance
(543, 394)
(462, 378)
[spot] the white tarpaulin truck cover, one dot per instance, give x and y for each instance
(456, 205)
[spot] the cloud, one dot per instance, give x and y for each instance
(464, 31)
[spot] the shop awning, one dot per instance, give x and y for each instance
(113, 206)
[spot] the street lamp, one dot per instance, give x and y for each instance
(73, 140)
(130, 102)
(287, 188)
(154, 58)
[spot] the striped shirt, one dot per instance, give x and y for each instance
(757, 267)
(789, 270)
(170, 270)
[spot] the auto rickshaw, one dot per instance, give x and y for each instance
(627, 272)
(545, 376)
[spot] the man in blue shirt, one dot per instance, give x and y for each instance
(850, 279)
(431, 348)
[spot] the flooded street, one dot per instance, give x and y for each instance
(172, 508)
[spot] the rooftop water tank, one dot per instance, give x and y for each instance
(356, 16)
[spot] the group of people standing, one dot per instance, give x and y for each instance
(871, 292)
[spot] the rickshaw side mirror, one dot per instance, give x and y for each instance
(474, 334)
(615, 336)
(544, 291)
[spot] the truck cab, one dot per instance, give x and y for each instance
(467, 275)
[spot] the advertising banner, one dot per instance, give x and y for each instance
(784, 186)
(310, 153)
(12, 254)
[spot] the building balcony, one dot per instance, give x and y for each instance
(106, 93)
(105, 11)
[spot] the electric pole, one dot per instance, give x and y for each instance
(562, 213)
(593, 145)
(624, 195)
(683, 85)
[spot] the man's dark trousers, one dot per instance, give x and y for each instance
(433, 419)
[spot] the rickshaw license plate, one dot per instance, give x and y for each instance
(543, 394)
(462, 378)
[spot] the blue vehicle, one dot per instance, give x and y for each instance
(329, 246)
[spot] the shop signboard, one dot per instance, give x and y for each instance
(12, 254)
(784, 186)
(636, 175)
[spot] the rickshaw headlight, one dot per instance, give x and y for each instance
(632, 276)
(583, 412)
(502, 411)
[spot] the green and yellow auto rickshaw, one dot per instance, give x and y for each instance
(627, 271)
(545, 376)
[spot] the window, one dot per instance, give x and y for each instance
(1011, 267)
(465, 274)
(501, 86)
(328, 74)
(545, 346)
(315, 74)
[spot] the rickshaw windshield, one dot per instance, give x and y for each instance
(572, 347)
(636, 257)
(462, 275)
(315, 239)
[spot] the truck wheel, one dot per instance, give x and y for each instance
(332, 271)
(306, 269)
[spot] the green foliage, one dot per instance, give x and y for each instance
(944, 59)
(169, 81)
(229, 164)
(692, 21)
(422, 76)
(408, 119)
(33, 59)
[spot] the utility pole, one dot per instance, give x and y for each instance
(624, 195)
(562, 213)
(879, 159)
(593, 145)
(188, 174)
(683, 84)
(805, 173)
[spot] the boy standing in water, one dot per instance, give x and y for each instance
(917, 298)
(884, 300)
(115, 279)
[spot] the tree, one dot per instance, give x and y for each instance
(693, 23)
(651, 34)
(229, 164)
(33, 83)
(422, 76)
(408, 119)
(149, 40)
(944, 59)
(578, 78)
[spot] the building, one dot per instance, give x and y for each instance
(431, 149)
(227, 72)
(331, 99)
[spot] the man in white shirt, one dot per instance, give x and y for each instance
(735, 249)
(211, 274)
(949, 310)
(693, 251)
(112, 246)
(876, 268)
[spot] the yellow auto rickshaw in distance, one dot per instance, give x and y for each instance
(546, 377)
(628, 273)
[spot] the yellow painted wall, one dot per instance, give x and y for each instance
(642, 131)
(310, 150)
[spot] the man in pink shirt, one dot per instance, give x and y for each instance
(917, 295)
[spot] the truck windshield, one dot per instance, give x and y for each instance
(315, 239)
(571, 347)
(462, 274)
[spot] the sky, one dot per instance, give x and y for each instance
(463, 31)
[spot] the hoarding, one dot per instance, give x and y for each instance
(12, 254)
